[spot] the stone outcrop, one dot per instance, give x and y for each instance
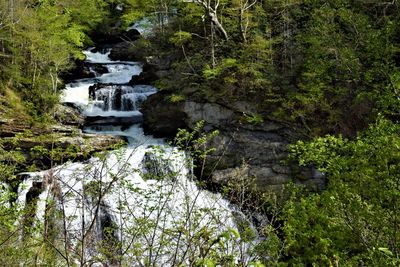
(128, 50)
(69, 114)
(162, 118)
(36, 142)
(256, 152)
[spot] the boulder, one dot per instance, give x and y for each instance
(154, 68)
(99, 68)
(162, 118)
(84, 70)
(69, 114)
(132, 35)
(81, 70)
(128, 51)
(147, 76)
(155, 167)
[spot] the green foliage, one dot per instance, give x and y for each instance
(196, 142)
(227, 65)
(354, 221)
(329, 65)
(180, 38)
(253, 118)
(348, 59)
(211, 73)
(39, 42)
(135, 11)
(156, 11)
(174, 98)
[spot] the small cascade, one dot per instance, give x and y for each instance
(108, 98)
(121, 98)
(97, 56)
(120, 73)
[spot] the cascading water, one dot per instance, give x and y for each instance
(135, 206)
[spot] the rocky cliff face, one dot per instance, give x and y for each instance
(256, 152)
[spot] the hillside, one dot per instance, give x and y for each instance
(289, 109)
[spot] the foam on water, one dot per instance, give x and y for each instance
(120, 73)
(97, 57)
(95, 111)
(77, 92)
(134, 194)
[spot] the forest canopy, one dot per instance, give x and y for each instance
(39, 40)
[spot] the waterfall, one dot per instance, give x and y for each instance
(136, 205)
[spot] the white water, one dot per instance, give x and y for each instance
(145, 193)
(97, 57)
(144, 26)
(77, 92)
(119, 73)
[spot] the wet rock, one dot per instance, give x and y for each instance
(80, 71)
(143, 78)
(132, 35)
(112, 120)
(156, 167)
(154, 68)
(128, 51)
(99, 68)
(85, 70)
(162, 118)
(147, 76)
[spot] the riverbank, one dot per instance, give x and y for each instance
(37, 146)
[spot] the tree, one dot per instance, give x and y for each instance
(245, 5)
(211, 9)
(355, 220)
(348, 56)
(38, 41)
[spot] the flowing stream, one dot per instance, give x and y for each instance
(135, 206)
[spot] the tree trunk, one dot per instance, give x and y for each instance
(211, 12)
(214, 19)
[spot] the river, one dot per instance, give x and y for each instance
(135, 206)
